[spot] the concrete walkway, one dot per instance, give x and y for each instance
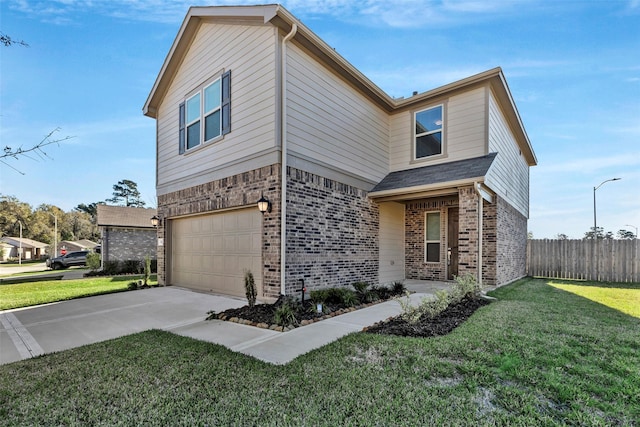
(34, 331)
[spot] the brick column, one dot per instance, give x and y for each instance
(468, 232)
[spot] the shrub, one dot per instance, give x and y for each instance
(468, 286)
(410, 313)
(93, 261)
(348, 297)
(318, 296)
(430, 308)
(130, 266)
(363, 294)
(398, 288)
(381, 292)
(250, 288)
(147, 269)
(285, 314)
(111, 268)
(132, 286)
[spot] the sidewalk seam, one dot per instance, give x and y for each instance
(25, 343)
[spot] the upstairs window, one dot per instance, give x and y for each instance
(432, 237)
(205, 115)
(428, 132)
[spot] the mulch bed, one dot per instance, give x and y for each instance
(442, 324)
(261, 316)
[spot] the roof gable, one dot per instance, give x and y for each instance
(278, 16)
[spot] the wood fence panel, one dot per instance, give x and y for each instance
(604, 260)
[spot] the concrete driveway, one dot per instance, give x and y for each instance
(33, 331)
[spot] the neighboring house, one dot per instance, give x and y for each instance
(249, 103)
(78, 245)
(31, 249)
(126, 233)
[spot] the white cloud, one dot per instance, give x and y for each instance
(391, 13)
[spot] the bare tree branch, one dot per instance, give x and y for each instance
(8, 41)
(9, 152)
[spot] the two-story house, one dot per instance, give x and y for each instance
(251, 104)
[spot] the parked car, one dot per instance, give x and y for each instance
(68, 260)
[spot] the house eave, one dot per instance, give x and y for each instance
(423, 191)
(281, 18)
(188, 29)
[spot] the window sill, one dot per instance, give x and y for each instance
(203, 146)
(428, 159)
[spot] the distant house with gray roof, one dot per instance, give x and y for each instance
(126, 233)
(31, 249)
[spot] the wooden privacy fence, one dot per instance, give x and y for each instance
(604, 260)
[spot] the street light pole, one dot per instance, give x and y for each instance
(20, 247)
(629, 225)
(595, 225)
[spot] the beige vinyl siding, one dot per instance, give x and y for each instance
(391, 235)
(509, 174)
(328, 121)
(249, 52)
(465, 131)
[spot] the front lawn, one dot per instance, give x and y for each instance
(34, 293)
(537, 356)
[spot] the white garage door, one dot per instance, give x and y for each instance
(212, 252)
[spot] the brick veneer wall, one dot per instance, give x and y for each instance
(489, 243)
(332, 233)
(121, 244)
(237, 191)
(415, 267)
(468, 232)
(511, 243)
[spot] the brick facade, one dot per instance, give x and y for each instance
(504, 234)
(121, 243)
(332, 233)
(511, 253)
(415, 265)
(237, 191)
(332, 230)
(331, 227)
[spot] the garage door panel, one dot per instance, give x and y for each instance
(211, 252)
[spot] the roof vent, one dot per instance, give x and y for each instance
(415, 92)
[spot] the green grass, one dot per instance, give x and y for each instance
(620, 296)
(27, 294)
(538, 356)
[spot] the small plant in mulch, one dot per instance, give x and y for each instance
(435, 316)
(289, 312)
(250, 288)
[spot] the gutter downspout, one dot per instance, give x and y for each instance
(283, 160)
(476, 186)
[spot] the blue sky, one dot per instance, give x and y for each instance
(573, 68)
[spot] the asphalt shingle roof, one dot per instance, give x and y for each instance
(26, 243)
(437, 174)
(121, 216)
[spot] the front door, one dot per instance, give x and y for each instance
(452, 242)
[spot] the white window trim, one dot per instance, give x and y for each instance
(187, 124)
(415, 136)
(439, 241)
(203, 115)
(206, 114)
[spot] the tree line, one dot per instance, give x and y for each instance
(80, 223)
